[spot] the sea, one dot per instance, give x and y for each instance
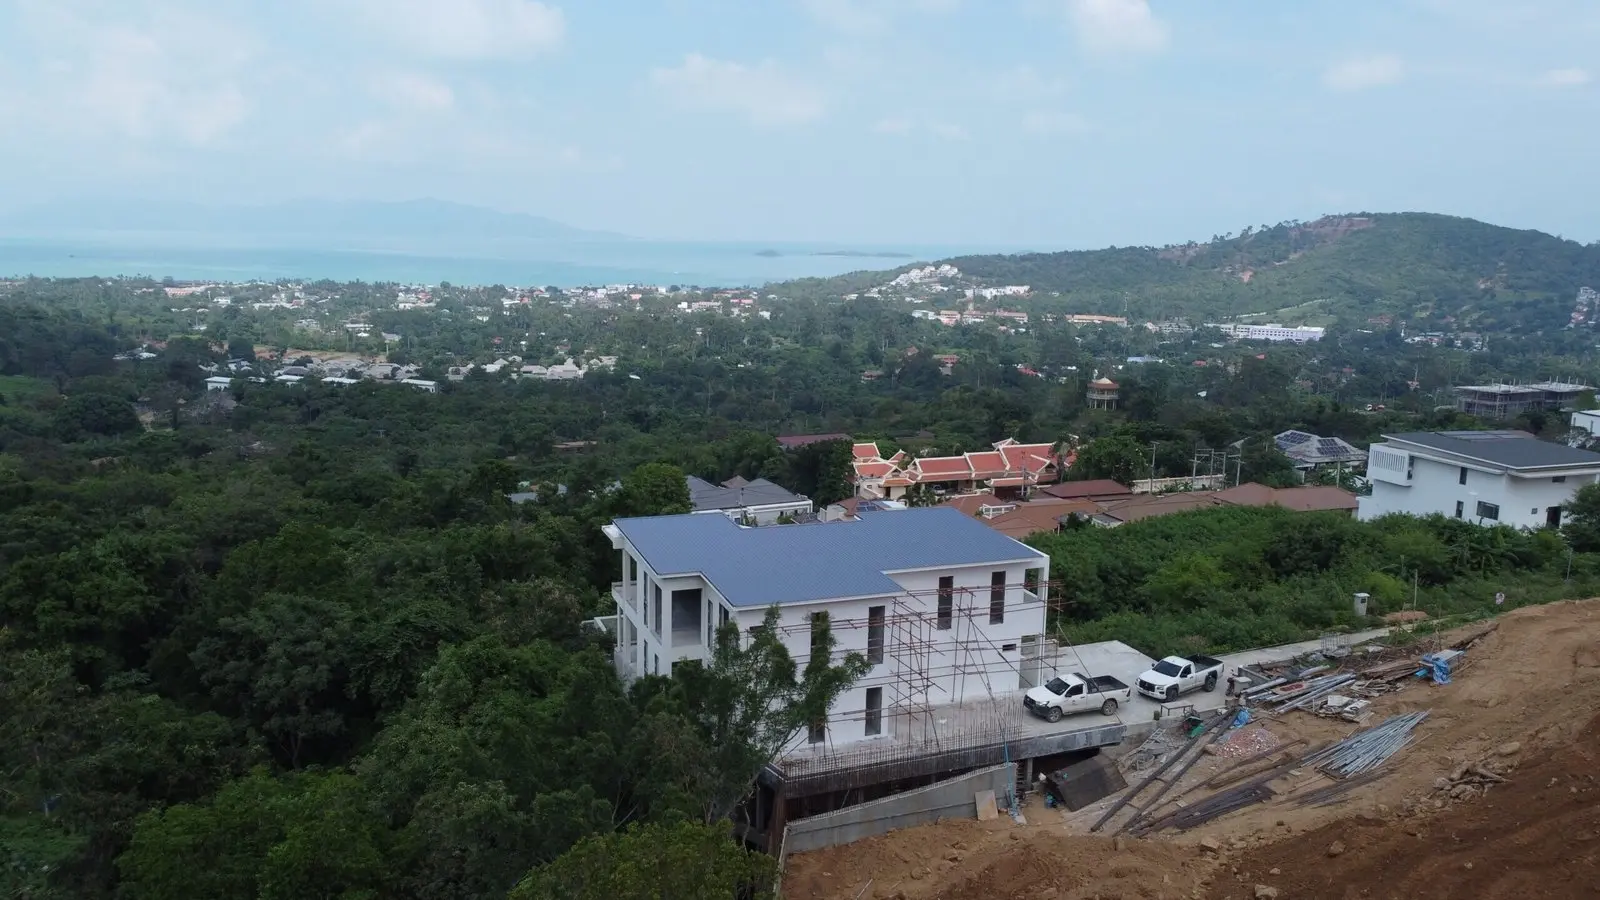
(561, 263)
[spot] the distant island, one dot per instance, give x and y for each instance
(863, 254)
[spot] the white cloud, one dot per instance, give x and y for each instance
(1570, 77)
(763, 93)
(468, 29)
(893, 125)
(1117, 26)
(862, 17)
(161, 71)
(1364, 72)
(413, 92)
(1052, 122)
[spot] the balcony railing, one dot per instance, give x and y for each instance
(687, 637)
(620, 592)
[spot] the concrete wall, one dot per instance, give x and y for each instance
(950, 799)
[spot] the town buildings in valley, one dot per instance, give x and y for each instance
(1296, 334)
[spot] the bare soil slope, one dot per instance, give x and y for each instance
(1533, 681)
(1535, 837)
(971, 860)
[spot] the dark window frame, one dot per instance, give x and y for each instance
(997, 598)
(876, 621)
(817, 731)
(947, 603)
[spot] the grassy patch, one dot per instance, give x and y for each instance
(24, 387)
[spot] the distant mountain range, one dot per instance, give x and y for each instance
(321, 221)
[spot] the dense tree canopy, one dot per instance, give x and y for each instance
(296, 640)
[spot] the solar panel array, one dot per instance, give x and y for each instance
(1293, 439)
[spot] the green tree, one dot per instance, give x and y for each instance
(654, 489)
(1582, 529)
(1117, 457)
(92, 415)
(241, 348)
(263, 838)
(753, 698)
(283, 668)
(682, 861)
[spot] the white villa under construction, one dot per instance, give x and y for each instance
(951, 615)
(940, 604)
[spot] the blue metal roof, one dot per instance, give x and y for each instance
(771, 564)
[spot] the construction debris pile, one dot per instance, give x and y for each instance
(1352, 762)
(1339, 690)
(1156, 748)
(1246, 742)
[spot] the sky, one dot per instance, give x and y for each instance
(1041, 123)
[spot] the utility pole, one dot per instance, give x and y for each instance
(1152, 482)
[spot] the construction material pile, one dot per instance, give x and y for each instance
(1245, 743)
(1354, 761)
(1369, 749)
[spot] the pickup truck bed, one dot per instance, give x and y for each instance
(1103, 683)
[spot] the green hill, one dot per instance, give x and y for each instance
(1344, 268)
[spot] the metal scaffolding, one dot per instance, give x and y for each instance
(928, 659)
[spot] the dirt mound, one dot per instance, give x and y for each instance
(1536, 836)
(994, 861)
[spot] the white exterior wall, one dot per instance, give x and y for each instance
(1587, 421)
(1435, 487)
(970, 660)
(660, 644)
(967, 661)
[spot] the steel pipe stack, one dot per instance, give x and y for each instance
(1368, 749)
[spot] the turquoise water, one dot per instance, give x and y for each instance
(561, 263)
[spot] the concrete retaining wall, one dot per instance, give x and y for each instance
(950, 799)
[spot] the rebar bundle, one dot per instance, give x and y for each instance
(1368, 749)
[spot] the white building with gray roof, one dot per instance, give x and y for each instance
(943, 607)
(1488, 477)
(758, 502)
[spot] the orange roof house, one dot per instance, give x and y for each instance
(1010, 465)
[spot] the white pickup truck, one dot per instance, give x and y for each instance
(1072, 692)
(1178, 675)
